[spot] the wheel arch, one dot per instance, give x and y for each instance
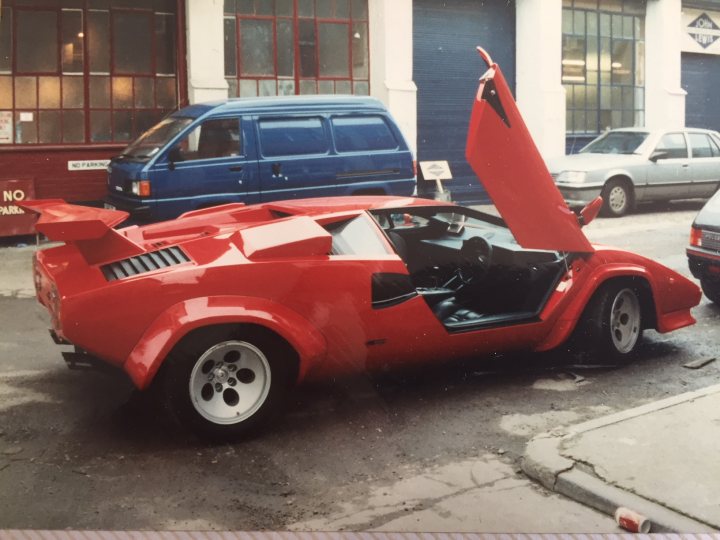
(256, 314)
(637, 277)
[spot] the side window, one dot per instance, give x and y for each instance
(674, 144)
(714, 148)
(362, 134)
(700, 145)
(212, 139)
(292, 136)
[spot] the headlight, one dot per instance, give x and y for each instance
(572, 177)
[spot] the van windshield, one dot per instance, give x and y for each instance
(150, 142)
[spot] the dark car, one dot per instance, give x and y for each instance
(704, 250)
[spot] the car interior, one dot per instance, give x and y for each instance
(469, 268)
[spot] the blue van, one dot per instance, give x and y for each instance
(261, 149)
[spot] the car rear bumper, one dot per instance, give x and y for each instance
(703, 263)
(579, 195)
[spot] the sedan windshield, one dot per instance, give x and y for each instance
(148, 144)
(616, 142)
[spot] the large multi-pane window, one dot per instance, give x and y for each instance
(85, 71)
(285, 47)
(603, 64)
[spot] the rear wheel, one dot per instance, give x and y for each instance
(611, 327)
(711, 288)
(617, 198)
(223, 383)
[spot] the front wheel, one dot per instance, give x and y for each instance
(711, 289)
(223, 384)
(611, 327)
(617, 198)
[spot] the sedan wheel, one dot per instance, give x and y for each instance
(711, 288)
(617, 198)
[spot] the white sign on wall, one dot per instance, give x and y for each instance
(6, 127)
(88, 165)
(701, 31)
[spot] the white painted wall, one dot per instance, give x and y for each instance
(391, 66)
(538, 60)
(664, 96)
(205, 51)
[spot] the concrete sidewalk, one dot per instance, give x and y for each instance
(660, 460)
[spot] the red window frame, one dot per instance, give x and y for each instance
(350, 22)
(153, 112)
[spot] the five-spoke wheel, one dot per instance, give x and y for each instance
(223, 381)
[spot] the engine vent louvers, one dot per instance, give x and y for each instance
(146, 262)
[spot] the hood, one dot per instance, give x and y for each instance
(503, 155)
(592, 162)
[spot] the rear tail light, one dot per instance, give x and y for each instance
(695, 237)
(414, 167)
(141, 188)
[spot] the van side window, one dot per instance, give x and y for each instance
(362, 133)
(292, 137)
(216, 138)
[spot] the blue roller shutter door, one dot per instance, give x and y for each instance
(701, 80)
(446, 69)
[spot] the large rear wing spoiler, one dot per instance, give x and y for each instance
(89, 229)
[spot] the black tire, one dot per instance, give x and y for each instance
(223, 383)
(618, 198)
(711, 288)
(610, 329)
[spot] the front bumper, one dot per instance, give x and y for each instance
(138, 210)
(579, 195)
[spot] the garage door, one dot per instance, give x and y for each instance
(701, 80)
(446, 70)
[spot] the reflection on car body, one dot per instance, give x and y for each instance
(223, 310)
(631, 165)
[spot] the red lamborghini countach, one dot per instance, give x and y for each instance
(224, 309)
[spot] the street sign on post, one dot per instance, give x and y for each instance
(437, 171)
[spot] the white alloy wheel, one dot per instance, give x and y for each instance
(230, 382)
(625, 320)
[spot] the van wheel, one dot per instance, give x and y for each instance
(223, 383)
(617, 198)
(611, 325)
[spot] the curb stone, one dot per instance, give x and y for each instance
(544, 462)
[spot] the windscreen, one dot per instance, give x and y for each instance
(150, 142)
(616, 142)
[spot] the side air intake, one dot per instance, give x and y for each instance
(147, 262)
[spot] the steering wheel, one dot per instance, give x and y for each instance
(475, 259)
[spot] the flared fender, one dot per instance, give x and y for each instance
(166, 331)
(669, 317)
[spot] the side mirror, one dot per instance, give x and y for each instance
(174, 155)
(658, 154)
(590, 212)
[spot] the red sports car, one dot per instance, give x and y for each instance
(224, 309)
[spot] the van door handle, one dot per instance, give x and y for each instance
(236, 168)
(276, 169)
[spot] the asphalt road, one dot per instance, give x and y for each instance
(433, 450)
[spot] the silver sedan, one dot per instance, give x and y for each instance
(631, 165)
